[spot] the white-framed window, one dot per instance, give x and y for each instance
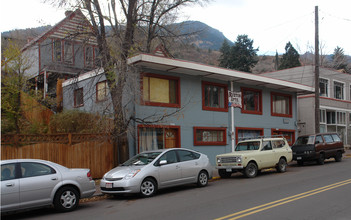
(341, 118)
(339, 92)
(322, 118)
(331, 118)
(323, 87)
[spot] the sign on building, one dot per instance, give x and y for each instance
(234, 99)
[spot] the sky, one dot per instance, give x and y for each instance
(269, 23)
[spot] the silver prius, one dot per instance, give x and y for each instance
(149, 171)
(31, 183)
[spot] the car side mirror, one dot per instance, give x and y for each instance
(163, 162)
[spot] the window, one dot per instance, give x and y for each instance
(161, 90)
(328, 138)
(318, 139)
(322, 116)
(266, 145)
(158, 137)
(210, 136)
(336, 138)
(245, 146)
(170, 157)
(214, 96)
(341, 118)
(339, 90)
(281, 105)
(101, 91)
(8, 171)
(57, 50)
(251, 101)
(244, 133)
(68, 49)
(89, 56)
(185, 155)
(289, 135)
(78, 97)
(30, 169)
(331, 118)
(323, 87)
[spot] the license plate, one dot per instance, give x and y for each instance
(228, 170)
(109, 185)
(299, 158)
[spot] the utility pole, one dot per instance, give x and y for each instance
(316, 80)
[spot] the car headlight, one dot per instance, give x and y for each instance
(239, 160)
(131, 174)
(218, 160)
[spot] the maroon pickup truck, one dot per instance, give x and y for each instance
(318, 147)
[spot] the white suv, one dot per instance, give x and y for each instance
(251, 156)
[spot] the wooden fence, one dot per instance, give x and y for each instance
(93, 151)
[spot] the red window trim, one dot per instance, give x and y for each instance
(285, 130)
(259, 112)
(225, 109)
(201, 143)
(261, 130)
(96, 89)
(290, 105)
(160, 104)
(160, 126)
(74, 97)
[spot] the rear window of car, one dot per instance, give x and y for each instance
(328, 138)
(336, 137)
(305, 140)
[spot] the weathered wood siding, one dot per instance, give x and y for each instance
(96, 154)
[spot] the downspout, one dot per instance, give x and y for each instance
(232, 117)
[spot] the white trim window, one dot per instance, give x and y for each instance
(323, 87)
(341, 118)
(339, 92)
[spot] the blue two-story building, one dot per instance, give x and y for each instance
(177, 103)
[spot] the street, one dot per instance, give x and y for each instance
(308, 192)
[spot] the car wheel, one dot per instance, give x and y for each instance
(148, 187)
(224, 174)
(66, 199)
(202, 179)
(320, 160)
(338, 156)
(251, 170)
(281, 167)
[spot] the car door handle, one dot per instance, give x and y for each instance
(54, 178)
(9, 184)
(177, 167)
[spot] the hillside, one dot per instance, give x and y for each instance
(199, 43)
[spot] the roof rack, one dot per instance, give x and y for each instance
(260, 137)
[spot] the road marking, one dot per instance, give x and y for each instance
(279, 202)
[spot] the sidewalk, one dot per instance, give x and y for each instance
(215, 176)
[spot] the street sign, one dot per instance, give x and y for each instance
(234, 99)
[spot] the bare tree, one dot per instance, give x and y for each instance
(125, 18)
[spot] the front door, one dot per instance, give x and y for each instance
(171, 135)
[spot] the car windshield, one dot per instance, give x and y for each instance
(305, 140)
(252, 145)
(141, 159)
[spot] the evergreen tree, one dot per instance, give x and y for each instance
(242, 56)
(339, 59)
(225, 56)
(276, 61)
(290, 58)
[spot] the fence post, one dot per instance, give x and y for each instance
(70, 138)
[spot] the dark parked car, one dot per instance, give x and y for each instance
(318, 147)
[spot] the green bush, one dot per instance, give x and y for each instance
(74, 121)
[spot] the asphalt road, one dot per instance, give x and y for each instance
(308, 192)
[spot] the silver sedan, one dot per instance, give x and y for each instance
(31, 183)
(149, 171)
